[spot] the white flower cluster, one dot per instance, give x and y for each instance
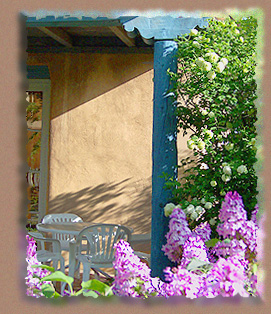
(193, 212)
(207, 205)
(227, 171)
(207, 65)
(195, 142)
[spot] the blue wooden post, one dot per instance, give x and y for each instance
(164, 151)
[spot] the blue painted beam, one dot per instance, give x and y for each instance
(164, 150)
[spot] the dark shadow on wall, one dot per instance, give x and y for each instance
(125, 202)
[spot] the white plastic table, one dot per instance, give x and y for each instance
(71, 228)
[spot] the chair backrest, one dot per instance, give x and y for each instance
(62, 218)
(59, 218)
(97, 241)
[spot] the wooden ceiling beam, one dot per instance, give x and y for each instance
(122, 35)
(57, 34)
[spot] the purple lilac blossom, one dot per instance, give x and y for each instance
(183, 282)
(203, 230)
(193, 247)
(133, 276)
(227, 278)
(32, 282)
(177, 235)
(254, 214)
(227, 249)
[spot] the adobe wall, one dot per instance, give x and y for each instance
(101, 136)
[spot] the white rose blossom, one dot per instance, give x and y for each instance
(191, 144)
(220, 67)
(194, 215)
(193, 32)
(207, 66)
(190, 208)
(224, 61)
(227, 170)
(208, 205)
(195, 44)
(199, 209)
(225, 177)
(203, 201)
(213, 57)
(211, 75)
(242, 169)
(168, 209)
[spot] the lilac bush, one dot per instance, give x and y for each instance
(33, 274)
(226, 268)
(133, 276)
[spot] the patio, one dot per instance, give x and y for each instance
(107, 170)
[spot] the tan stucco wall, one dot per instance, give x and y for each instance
(100, 136)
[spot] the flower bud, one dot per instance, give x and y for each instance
(211, 114)
(204, 112)
(229, 146)
(212, 221)
(194, 215)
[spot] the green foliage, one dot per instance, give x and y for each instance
(215, 91)
(92, 288)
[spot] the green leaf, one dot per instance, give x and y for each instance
(98, 286)
(48, 290)
(196, 264)
(58, 276)
(51, 269)
(92, 294)
(211, 242)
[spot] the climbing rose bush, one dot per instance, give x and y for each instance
(214, 92)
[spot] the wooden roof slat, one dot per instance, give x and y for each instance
(122, 35)
(57, 34)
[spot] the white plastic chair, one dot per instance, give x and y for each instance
(62, 218)
(94, 247)
(49, 250)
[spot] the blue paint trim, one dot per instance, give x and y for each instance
(38, 72)
(68, 20)
(163, 27)
(164, 149)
